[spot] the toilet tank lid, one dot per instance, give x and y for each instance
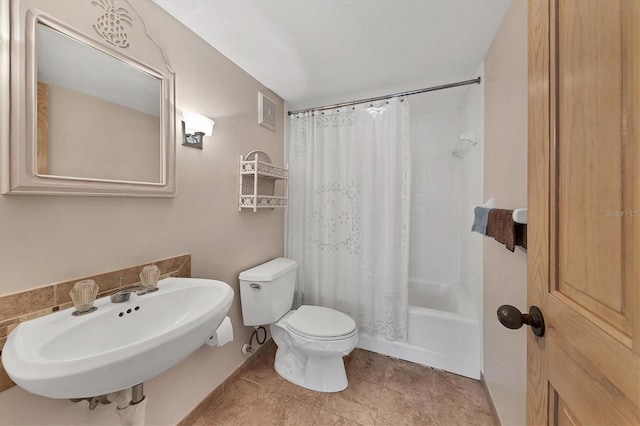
(269, 271)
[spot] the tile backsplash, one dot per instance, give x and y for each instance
(29, 304)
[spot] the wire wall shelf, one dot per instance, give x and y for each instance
(258, 176)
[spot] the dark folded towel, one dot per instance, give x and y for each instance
(521, 235)
(480, 216)
(501, 227)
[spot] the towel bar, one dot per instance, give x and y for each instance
(520, 216)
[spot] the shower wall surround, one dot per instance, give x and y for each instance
(471, 196)
(47, 239)
(444, 191)
(435, 198)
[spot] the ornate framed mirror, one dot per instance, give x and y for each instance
(92, 102)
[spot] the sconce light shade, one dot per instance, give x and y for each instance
(195, 123)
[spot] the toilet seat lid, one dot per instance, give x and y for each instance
(317, 321)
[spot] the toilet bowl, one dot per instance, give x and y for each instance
(311, 340)
(311, 343)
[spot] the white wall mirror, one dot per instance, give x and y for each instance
(88, 118)
(96, 108)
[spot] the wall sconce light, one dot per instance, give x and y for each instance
(194, 128)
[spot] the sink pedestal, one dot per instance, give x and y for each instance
(133, 415)
(131, 405)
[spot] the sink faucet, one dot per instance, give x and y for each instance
(124, 295)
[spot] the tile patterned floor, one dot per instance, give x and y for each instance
(382, 391)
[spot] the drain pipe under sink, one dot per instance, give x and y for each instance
(131, 405)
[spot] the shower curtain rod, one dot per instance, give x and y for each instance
(395, 95)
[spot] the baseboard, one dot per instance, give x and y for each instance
(494, 412)
(193, 416)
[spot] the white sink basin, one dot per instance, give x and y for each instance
(65, 356)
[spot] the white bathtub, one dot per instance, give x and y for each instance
(443, 330)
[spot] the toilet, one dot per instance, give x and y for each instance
(311, 340)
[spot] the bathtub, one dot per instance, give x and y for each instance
(443, 331)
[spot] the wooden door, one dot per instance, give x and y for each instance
(584, 219)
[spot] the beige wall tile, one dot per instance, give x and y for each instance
(34, 303)
(5, 381)
(108, 282)
(12, 327)
(172, 264)
(23, 303)
(184, 270)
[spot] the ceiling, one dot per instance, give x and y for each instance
(317, 52)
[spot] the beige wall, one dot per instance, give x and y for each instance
(505, 180)
(46, 239)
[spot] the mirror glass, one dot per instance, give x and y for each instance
(97, 116)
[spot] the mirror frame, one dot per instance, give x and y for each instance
(19, 146)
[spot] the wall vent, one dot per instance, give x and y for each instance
(266, 112)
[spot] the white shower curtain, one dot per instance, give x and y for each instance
(348, 215)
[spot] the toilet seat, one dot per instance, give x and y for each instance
(320, 323)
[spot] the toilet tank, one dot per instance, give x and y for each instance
(266, 291)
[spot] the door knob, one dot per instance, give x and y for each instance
(511, 317)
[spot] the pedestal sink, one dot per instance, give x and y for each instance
(120, 344)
